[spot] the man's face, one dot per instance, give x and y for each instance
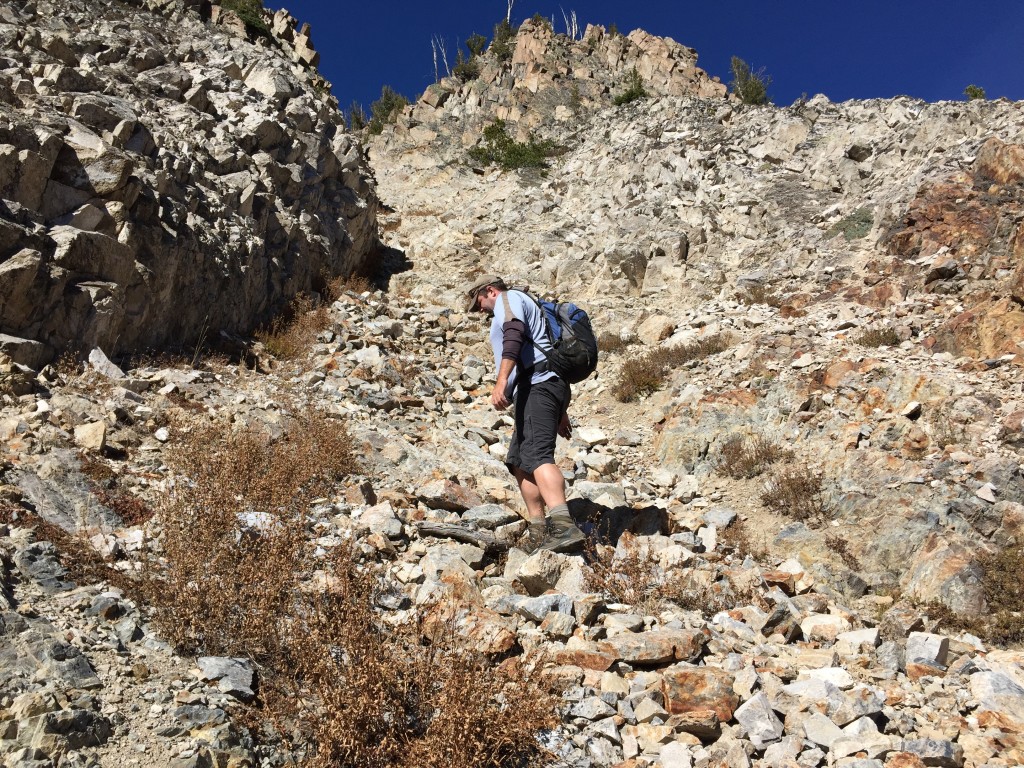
(485, 299)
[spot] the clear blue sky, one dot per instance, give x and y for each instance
(928, 49)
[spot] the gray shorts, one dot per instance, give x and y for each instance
(539, 409)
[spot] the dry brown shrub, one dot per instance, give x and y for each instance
(795, 491)
(761, 294)
(234, 531)
(610, 343)
(841, 547)
(745, 457)
(878, 337)
(738, 538)
(1004, 593)
(381, 697)
(337, 681)
(293, 332)
(130, 508)
(635, 578)
(647, 372)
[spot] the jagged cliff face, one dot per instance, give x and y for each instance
(551, 83)
(163, 176)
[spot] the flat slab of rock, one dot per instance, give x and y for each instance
(234, 677)
(661, 646)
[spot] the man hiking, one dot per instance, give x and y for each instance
(518, 336)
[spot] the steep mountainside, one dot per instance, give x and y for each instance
(795, 230)
(804, 543)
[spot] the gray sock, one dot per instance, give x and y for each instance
(560, 510)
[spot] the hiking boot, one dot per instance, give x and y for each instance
(534, 537)
(563, 535)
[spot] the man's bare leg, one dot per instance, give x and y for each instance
(531, 494)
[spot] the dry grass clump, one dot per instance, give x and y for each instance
(611, 343)
(647, 372)
(841, 547)
(878, 337)
(1004, 592)
(760, 294)
(745, 457)
(337, 681)
(738, 538)
(795, 491)
(635, 578)
(293, 331)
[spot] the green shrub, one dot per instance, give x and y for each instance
(476, 44)
(503, 45)
(386, 109)
(500, 148)
(973, 92)
(613, 30)
(751, 87)
(634, 89)
(646, 373)
(466, 69)
(854, 226)
(251, 13)
(541, 21)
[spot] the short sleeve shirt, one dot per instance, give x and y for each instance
(523, 308)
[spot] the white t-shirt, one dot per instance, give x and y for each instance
(523, 308)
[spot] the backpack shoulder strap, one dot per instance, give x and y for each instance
(509, 314)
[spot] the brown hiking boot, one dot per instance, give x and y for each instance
(563, 535)
(534, 537)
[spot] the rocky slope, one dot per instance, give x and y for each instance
(713, 632)
(164, 177)
(795, 230)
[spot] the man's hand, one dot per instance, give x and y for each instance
(565, 426)
(498, 399)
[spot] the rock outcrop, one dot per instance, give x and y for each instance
(163, 177)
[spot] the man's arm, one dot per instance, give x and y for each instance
(513, 334)
(498, 399)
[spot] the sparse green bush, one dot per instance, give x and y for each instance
(745, 457)
(500, 148)
(466, 69)
(504, 42)
(475, 43)
(751, 87)
(541, 21)
(634, 89)
(613, 30)
(251, 13)
(356, 116)
(797, 492)
(852, 227)
(646, 373)
(386, 109)
(973, 92)
(879, 337)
